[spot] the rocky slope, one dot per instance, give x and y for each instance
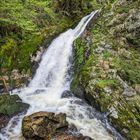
(107, 65)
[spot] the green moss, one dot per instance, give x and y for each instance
(80, 45)
(24, 26)
(131, 70)
(11, 105)
(126, 119)
(104, 102)
(28, 47)
(106, 82)
(133, 40)
(132, 4)
(8, 52)
(107, 54)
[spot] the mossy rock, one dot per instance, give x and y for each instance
(11, 105)
(128, 120)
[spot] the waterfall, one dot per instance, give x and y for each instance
(45, 90)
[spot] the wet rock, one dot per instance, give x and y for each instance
(11, 104)
(67, 94)
(65, 136)
(43, 125)
(1, 87)
(79, 93)
(79, 102)
(4, 119)
(37, 57)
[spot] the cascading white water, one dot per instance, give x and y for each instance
(51, 79)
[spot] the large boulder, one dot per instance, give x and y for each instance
(10, 105)
(47, 126)
(42, 125)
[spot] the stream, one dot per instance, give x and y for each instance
(49, 83)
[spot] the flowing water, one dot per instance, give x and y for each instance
(45, 90)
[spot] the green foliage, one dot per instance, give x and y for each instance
(79, 51)
(24, 25)
(8, 53)
(28, 47)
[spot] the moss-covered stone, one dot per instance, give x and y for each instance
(11, 105)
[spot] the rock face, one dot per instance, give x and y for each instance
(42, 125)
(10, 105)
(107, 66)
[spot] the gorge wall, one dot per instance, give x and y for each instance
(107, 65)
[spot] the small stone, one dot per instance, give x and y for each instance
(108, 90)
(99, 50)
(137, 88)
(125, 131)
(129, 92)
(113, 112)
